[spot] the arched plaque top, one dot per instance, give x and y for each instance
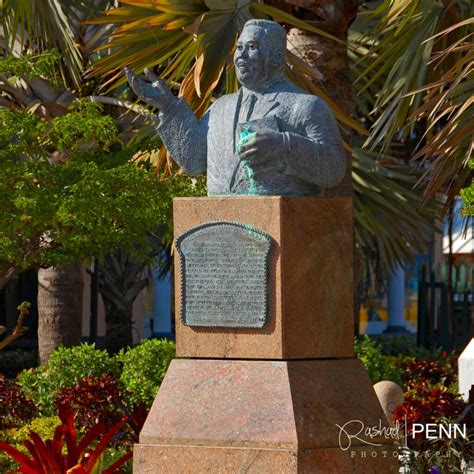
(224, 275)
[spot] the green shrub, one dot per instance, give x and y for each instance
(144, 367)
(68, 365)
(44, 426)
(36, 386)
(13, 361)
(111, 455)
(378, 365)
(139, 370)
(396, 345)
(404, 346)
(65, 368)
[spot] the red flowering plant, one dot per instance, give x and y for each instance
(434, 404)
(15, 407)
(102, 400)
(93, 400)
(65, 454)
(426, 403)
(437, 370)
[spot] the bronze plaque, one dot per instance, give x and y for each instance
(224, 275)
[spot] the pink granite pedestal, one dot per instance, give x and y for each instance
(228, 416)
(311, 305)
(272, 400)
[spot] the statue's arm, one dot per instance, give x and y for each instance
(185, 136)
(317, 156)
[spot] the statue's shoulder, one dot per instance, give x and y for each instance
(224, 101)
(302, 106)
(291, 92)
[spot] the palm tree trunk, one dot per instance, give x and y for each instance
(119, 325)
(330, 58)
(59, 308)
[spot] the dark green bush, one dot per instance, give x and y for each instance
(397, 345)
(404, 346)
(378, 365)
(13, 361)
(144, 367)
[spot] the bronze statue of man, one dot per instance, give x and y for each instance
(270, 138)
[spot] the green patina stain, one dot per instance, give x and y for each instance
(255, 235)
(246, 135)
(251, 230)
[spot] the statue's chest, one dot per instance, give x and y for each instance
(221, 158)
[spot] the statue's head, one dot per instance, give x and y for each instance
(259, 54)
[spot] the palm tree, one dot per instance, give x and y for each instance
(420, 55)
(59, 308)
(122, 278)
(418, 69)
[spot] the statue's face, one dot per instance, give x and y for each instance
(250, 57)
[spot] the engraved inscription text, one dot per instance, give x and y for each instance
(224, 275)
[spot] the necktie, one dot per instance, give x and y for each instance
(250, 105)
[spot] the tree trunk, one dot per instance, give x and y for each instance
(11, 304)
(329, 58)
(120, 282)
(6, 275)
(59, 308)
(119, 325)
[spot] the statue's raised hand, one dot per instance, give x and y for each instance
(154, 91)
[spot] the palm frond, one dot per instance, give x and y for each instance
(45, 24)
(391, 221)
(415, 86)
(447, 110)
(403, 43)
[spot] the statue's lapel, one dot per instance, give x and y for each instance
(264, 107)
(237, 183)
(234, 116)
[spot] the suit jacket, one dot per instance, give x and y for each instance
(312, 159)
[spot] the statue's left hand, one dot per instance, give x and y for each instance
(154, 91)
(262, 148)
